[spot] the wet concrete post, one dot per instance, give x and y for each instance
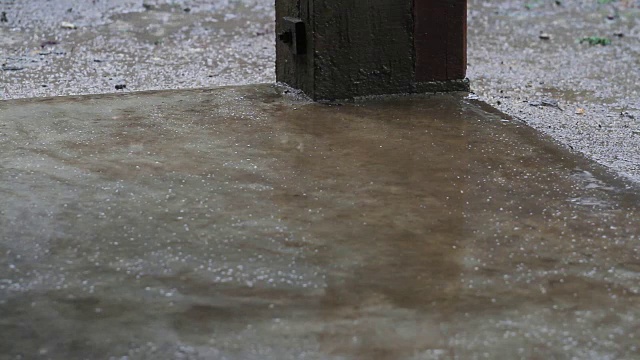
(339, 49)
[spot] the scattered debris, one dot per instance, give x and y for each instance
(544, 36)
(68, 25)
(12, 67)
(627, 115)
(546, 102)
(580, 111)
(48, 43)
(121, 87)
(531, 5)
(595, 40)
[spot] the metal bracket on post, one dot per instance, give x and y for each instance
(294, 35)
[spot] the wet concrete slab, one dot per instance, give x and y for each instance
(243, 223)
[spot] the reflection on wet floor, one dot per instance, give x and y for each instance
(240, 223)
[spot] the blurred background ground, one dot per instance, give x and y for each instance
(530, 58)
(150, 45)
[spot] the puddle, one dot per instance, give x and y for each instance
(239, 223)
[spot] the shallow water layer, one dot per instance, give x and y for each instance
(242, 223)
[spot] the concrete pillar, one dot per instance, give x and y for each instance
(338, 49)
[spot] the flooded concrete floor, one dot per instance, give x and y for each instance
(243, 223)
(177, 44)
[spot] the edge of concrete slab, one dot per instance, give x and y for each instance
(297, 97)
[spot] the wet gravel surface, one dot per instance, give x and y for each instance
(528, 60)
(525, 58)
(102, 46)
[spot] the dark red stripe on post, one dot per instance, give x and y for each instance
(440, 39)
(457, 40)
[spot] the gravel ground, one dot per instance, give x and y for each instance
(142, 46)
(525, 58)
